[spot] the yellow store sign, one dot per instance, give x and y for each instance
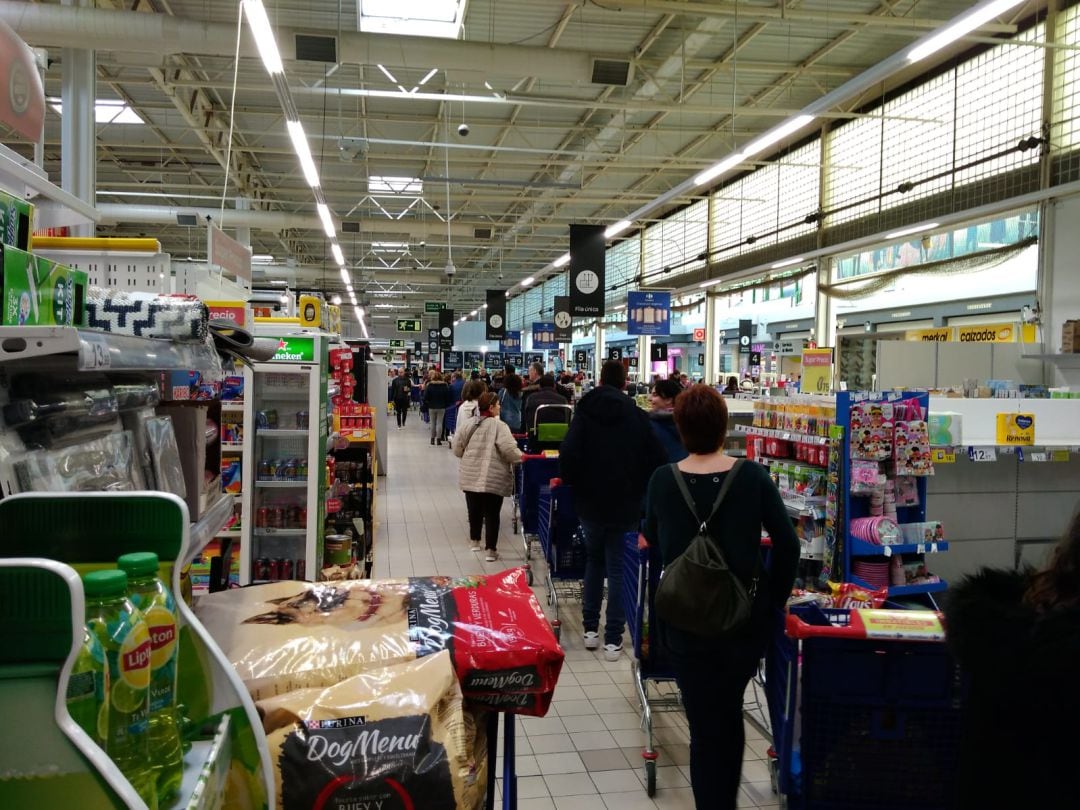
(984, 333)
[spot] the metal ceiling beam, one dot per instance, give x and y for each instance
(916, 26)
(104, 30)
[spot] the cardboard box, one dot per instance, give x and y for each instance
(40, 292)
(1070, 337)
(16, 221)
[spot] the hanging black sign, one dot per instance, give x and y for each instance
(658, 352)
(515, 359)
(614, 354)
(746, 333)
(446, 329)
(433, 340)
(587, 270)
(633, 363)
(755, 359)
(564, 321)
(496, 315)
(581, 358)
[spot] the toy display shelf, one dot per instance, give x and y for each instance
(104, 351)
(49, 537)
(1057, 421)
(860, 548)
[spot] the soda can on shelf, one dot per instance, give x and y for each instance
(276, 568)
(262, 569)
(300, 569)
(294, 517)
(301, 420)
(286, 569)
(277, 518)
(302, 521)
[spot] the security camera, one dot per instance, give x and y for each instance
(500, 276)
(463, 130)
(450, 269)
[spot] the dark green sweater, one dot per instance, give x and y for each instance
(752, 502)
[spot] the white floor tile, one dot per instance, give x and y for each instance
(615, 781)
(584, 722)
(570, 784)
(551, 743)
(559, 763)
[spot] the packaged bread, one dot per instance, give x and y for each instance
(285, 636)
(393, 738)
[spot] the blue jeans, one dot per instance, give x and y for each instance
(604, 550)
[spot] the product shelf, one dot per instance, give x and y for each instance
(860, 548)
(796, 462)
(206, 767)
(784, 435)
(292, 394)
(297, 482)
(208, 527)
(1062, 360)
(278, 433)
(805, 508)
(907, 590)
(268, 532)
(232, 406)
(231, 447)
(104, 351)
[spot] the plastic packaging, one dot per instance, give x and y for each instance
(165, 456)
(102, 465)
(149, 594)
(88, 690)
(122, 632)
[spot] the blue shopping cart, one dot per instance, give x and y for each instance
(865, 709)
(564, 549)
(534, 472)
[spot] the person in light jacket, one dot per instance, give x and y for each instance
(487, 450)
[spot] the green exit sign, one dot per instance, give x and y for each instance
(409, 325)
(434, 306)
(397, 344)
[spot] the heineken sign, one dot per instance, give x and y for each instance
(295, 350)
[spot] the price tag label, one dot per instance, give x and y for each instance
(1059, 455)
(920, 548)
(94, 353)
(1039, 457)
(982, 454)
(887, 551)
(933, 548)
(944, 455)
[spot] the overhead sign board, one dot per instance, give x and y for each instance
(228, 255)
(434, 306)
(648, 312)
(409, 325)
(397, 344)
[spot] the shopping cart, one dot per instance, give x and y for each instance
(653, 678)
(534, 472)
(866, 709)
(522, 443)
(563, 546)
(547, 433)
(450, 418)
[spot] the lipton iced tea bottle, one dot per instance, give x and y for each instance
(149, 594)
(88, 689)
(122, 632)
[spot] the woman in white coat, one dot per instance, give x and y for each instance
(488, 451)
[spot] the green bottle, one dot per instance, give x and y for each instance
(149, 594)
(122, 632)
(88, 690)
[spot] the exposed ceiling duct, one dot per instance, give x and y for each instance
(163, 35)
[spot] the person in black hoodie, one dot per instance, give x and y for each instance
(608, 455)
(1016, 636)
(662, 418)
(437, 398)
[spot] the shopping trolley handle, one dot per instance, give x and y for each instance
(865, 623)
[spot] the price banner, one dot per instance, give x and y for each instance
(817, 371)
(943, 455)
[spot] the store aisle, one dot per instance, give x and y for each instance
(586, 753)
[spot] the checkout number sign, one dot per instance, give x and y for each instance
(817, 371)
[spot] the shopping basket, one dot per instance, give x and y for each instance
(564, 548)
(866, 709)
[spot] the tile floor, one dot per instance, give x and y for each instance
(587, 752)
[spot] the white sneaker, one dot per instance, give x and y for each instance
(592, 640)
(492, 555)
(476, 546)
(613, 652)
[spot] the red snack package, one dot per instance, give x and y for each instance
(849, 595)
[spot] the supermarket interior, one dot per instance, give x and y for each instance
(313, 475)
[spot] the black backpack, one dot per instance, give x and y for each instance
(698, 593)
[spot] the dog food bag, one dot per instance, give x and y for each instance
(285, 636)
(393, 738)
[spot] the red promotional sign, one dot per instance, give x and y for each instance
(333, 505)
(699, 335)
(22, 97)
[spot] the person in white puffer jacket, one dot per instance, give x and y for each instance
(488, 451)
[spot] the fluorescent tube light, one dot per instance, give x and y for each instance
(429, 76)
(484, 306)
(335, 300)
(303, 151)
(473, 313)
(614, 230)
(776, 135)
(387, 74)
(264, 36)
(335, 248)
(711, 283)
(730, 162)
(913, 229)
(525, 282)
(969, 22)
(279, 283)
(562, 260)
(327, 221)
(787, 262)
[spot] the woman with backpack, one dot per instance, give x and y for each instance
(705, 501)
(488, 452)
(510, 402)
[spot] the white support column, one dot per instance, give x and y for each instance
(644, 349)
(712, 341)
(599, 352)
(78, 132)
(824, 322)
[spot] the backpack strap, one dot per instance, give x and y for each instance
(719, 497)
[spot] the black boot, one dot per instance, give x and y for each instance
(439, 442)
(433, 442)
